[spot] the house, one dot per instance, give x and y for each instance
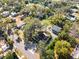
(41, 36)
(73, 10)
(76, 15)
(40, 15)
(5, 13)
(14, 14)
(71, 17)
(3, 45)
(77, 5)
(56, 29)
(20, 25)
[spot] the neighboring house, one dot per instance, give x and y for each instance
(5, 13)
(14, 14)
(30, 46)
(56, 29)
(42, 36)
(71, 17)
(76, 15)
(25, 13)
(77, 5)
(20, 25)
(3, 45)
(73, 10)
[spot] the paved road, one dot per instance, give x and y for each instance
(20, 46)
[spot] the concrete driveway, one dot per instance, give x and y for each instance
(30, 54)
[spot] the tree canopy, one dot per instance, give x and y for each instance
(62, 49)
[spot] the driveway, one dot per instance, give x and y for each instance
(21, 46)
(50, 31)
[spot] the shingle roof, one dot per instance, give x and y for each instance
(56, 28)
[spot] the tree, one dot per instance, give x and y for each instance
(5, 1)
(62, 49)
(52, 44)
(63, 35)
(67, 25)
(45, 53)
(9, 55)
(50, 54)
(72, 41)
(18, 8)
(31, 28)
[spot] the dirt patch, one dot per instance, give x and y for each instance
(37, 55)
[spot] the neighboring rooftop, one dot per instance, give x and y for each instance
(5, 13)
(56, 29)
(3, 44)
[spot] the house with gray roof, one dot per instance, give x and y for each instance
(5, 13)
(14, 14)
(71, 17)
(73, 10)
(56, 29)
